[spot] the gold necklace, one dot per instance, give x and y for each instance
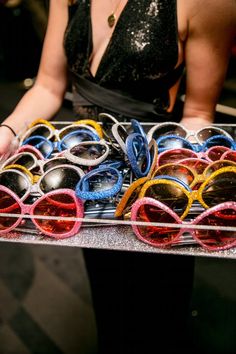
(111, 20)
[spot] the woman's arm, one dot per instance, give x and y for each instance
(44, 99)
(211, 28)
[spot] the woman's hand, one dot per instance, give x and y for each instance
(195, 123)
(8, 143)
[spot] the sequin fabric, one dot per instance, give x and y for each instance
(141, 51)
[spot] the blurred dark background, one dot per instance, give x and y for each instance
(45, 303)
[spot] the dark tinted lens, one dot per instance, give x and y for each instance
(55, 162)
(88, 152)
(40, 130)
(75, 138)
(169, 129)
(218, 238)
(220, 189)
(24, 159)
(159, 236)
(169, 194)
(15, 182)
(207, 133)
(60, 177)
(61, 205)
(43, 145)
(8, 205)
(217, 165)
(102, 181)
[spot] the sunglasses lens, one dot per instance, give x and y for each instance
(15, 182)
(178, 171)
(215, 239)
(217, 165)
(196, 164)
(67, 130)
(220, 189)
(174, 143)
(170, 129)
(157, 236)
(216, 152)
(169, 194)
(207, 133)
(76, 137)
(230, 155)
(175, 155)
(60, 177)
(23, 159)
(55, 162)
(41, 130)
(43, 145)
(88, 152)
(8, 205)
(58, 205)
(102, 181)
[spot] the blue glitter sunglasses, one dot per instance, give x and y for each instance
(100, 183)
(167, 142)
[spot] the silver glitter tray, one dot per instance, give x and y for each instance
(115, 237)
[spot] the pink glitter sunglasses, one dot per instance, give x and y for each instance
(214, 234)
(59, 210)
(175, 155)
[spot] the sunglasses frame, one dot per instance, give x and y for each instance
(29, 208)
(192, 154)
(88, 162)
(188, 133)
(34, 181)
(197, 178)
(192, 195)
(155, 203)
(82, 190)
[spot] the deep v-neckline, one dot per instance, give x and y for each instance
(109, 44)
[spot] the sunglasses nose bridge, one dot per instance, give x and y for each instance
(26, 209)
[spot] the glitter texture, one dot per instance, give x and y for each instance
(115, 238)
(143, 49)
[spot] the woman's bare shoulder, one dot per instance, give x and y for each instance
(211, 16)
(214, 10)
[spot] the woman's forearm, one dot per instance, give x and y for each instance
(38, 102)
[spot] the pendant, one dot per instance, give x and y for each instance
(111, 20)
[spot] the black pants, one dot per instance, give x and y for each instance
(141, 300)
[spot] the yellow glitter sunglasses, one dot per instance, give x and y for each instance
(218, 188)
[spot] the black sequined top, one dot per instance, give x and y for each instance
(142, 51)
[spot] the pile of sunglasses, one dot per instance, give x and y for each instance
(166, 180)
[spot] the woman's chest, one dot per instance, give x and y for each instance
(144, 31)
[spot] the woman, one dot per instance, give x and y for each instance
(127, 58)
